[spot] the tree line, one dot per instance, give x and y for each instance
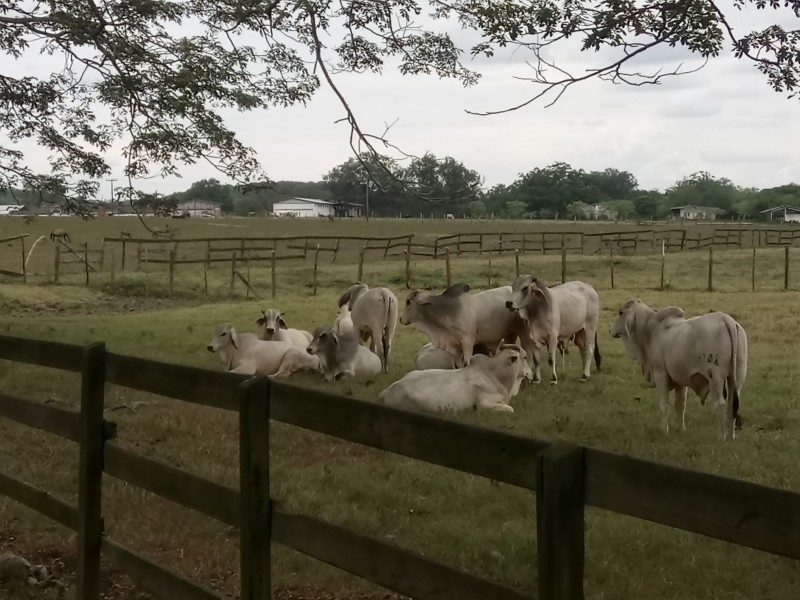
(431, 186)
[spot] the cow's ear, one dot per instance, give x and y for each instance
(344, 298)
(422, 299)
(234, 338)
(282, 323)
(455, 290)
(261, 321)
(667, 312)
(513, 358)
(335, 337)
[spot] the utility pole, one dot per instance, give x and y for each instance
(112, 189)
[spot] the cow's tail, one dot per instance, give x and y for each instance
(733, 384)
(597, 358)
(389, 322)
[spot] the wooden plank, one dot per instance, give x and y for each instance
(255, 530)
(504, 457)
(160, 581)
(10, 273)
(740, 512)
(90, 471)
(58, 421)
(40, 501)
(56, 355)
(184, 488)
(393, 568)
(560, 522)
(190, 384)
(13, 238)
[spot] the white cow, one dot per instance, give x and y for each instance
(456, 321)
(341, 355)
(244, 353)
(273, 327)
(707, 353)
(486, 383)
(374, 315)
(555, 315)
(431, 357)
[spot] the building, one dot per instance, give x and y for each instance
(695, 212)
(785, 213)
(199, 208)
(311, 207)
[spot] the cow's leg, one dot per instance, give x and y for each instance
(466, 350)
(495, 403)
(552, 344)
(662, 386)
(716, 390)
(680, 405)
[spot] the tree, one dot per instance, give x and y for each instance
(515, 209)
(578, 210)
(155, 77)
(703, 189)
(445, 186)
(348, 183)
(611, 184)
(477, 208)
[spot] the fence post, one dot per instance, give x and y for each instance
(516, 261)
(139, 256)
(447, 266)
(711, 269)
(611, 256)
(233, 273)
(408, 269)
(24, 269)
(560, 522)
(563, 263)
(361, 262)
(113, 265)
(171, 270)
(57, 264)
(316, 258)
(86, 260)
(272, 268)
(663, 261)
(255, 524)
(90, 475)
(786, 268)
(122, 266)
(754, 269)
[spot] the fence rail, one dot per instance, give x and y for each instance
(564, 477)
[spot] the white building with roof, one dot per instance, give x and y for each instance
(311, 207)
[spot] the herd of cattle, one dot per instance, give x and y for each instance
(482, 345)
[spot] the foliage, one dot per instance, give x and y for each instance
(154, 78)
(515, 209)
(476, 208)
(703, 189)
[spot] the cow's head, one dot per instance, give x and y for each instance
(422, 306)
(270, 321)
(224, 336)
(352, 294)
(526, 290)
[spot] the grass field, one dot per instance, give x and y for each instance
(466, 521)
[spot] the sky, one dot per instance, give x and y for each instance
(724, 119)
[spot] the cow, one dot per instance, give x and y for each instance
(554, 316)
(341, 356)
(273, 327)
(707, 354)
(455, 320)
(59, 234)
(374, 315)
(430, 357)
(486, 383)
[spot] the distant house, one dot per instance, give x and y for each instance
(695, 212)
(785, 213)
(311, 207)
(199, 208)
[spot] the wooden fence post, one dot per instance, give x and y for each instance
(255, 527)
(711, 269)
(361, 261)
(335, 250)
(447, 266)
(233, 273)
(786, 268)
(560, 522)
(56, 264)
(90, 472)
(563, 263)
(611, 256)
(171, 270)
(516, 261)
(408, 268)
(24, 269)
(139, 256)
(122, 266)
(316, 258)
(754, 269)
(272, 268)
(86, 260)
(113, 265)
(663, 261)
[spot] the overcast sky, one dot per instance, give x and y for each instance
(724, 119)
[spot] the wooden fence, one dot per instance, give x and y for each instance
(564, 477)
(22, 273)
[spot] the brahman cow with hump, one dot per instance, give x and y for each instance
(487, 382)
(555, 315)
(340, 354)
(273, 327)
(455, 320)
(374, 315)
(707, 354)
(431, 357)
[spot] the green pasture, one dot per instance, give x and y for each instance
(466, 521)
